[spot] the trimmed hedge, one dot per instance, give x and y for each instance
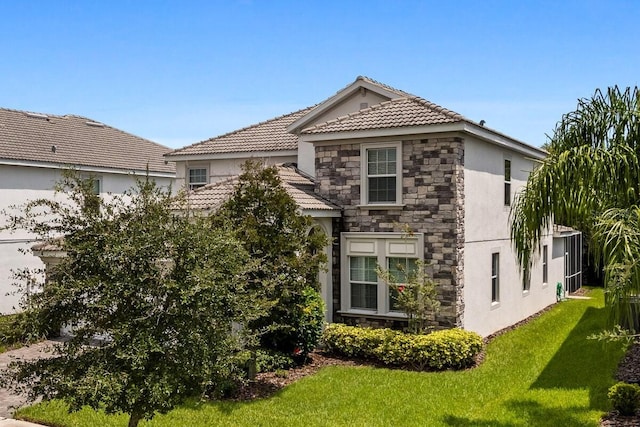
(625, 398)
(446, 349)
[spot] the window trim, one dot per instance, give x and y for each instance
(188, 170)
(495, 278)
(364, 176)
(545, 265)
(507, 182)
(381, 245)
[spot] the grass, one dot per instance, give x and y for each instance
(543, 374)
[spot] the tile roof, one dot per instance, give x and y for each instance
(76, 140)
(270, 135)
(399, 92)
(398, 112)
(299, 187)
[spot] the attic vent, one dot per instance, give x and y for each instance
(37, 116)
(95, 124)
(364, 105)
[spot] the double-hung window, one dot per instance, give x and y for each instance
(545, 264)
(507, 182)
(381, 174)
(362, 291)
(197, 177)
(495, 277)
(401, 269)
(364, 282)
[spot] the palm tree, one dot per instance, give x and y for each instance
(591, 181)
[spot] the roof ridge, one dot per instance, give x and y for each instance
(13, 110)
(384, 85)
(233, 132)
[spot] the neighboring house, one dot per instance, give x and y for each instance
(34, 150)
(388, 159)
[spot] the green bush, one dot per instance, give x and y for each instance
(271, 361)
(625, 398)
(447, 349)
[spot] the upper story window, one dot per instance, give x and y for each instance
(507, 182)
(96, 182)
(197, 177)
(381, 174)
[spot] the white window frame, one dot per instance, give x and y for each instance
(97, 180)
(508, 199)
(495, 279)
(545, 264)
(382, 246)
(193, 186)
(364, 175)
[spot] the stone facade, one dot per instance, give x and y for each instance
(433, 198)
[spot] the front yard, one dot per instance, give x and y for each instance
(545, 373)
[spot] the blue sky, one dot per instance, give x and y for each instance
(178, 72)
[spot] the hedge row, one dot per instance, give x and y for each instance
(446, 349)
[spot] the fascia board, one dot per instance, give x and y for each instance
(464, 127)
(84, 168)
(230, 155)
(502, 140)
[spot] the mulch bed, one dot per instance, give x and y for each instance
(629, 372)
(268, 383)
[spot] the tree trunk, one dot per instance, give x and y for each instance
(134, 419)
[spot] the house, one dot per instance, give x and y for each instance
(389, 159)
(34, 150)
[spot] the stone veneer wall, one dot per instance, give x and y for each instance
(433, 194)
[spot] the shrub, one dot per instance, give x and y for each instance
(625, 398)
(447, 349)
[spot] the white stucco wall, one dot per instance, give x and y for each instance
(18, 185)
(220, 169)
(486, 232)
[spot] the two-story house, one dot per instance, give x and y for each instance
(391, 160)
(34, 150)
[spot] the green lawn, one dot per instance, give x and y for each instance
(543, 374)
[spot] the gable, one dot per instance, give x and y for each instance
(348, 100)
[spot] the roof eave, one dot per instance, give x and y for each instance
(465, 127)
(85, 168)
(229, 155)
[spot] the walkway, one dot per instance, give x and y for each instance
(9, 401)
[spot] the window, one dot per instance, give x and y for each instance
(507, 182)
(526, 280)
(197, 178)
(495, 277)
(362, 292)
(96, 182)
(381, 177)
(401, 270)
(545, 266)
(364, 282)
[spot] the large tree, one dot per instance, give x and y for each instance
(591, 181)
(150, 296)
(289, 255)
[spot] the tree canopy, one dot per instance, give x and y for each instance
(159, 292)
(289, 255)
(591, 181)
